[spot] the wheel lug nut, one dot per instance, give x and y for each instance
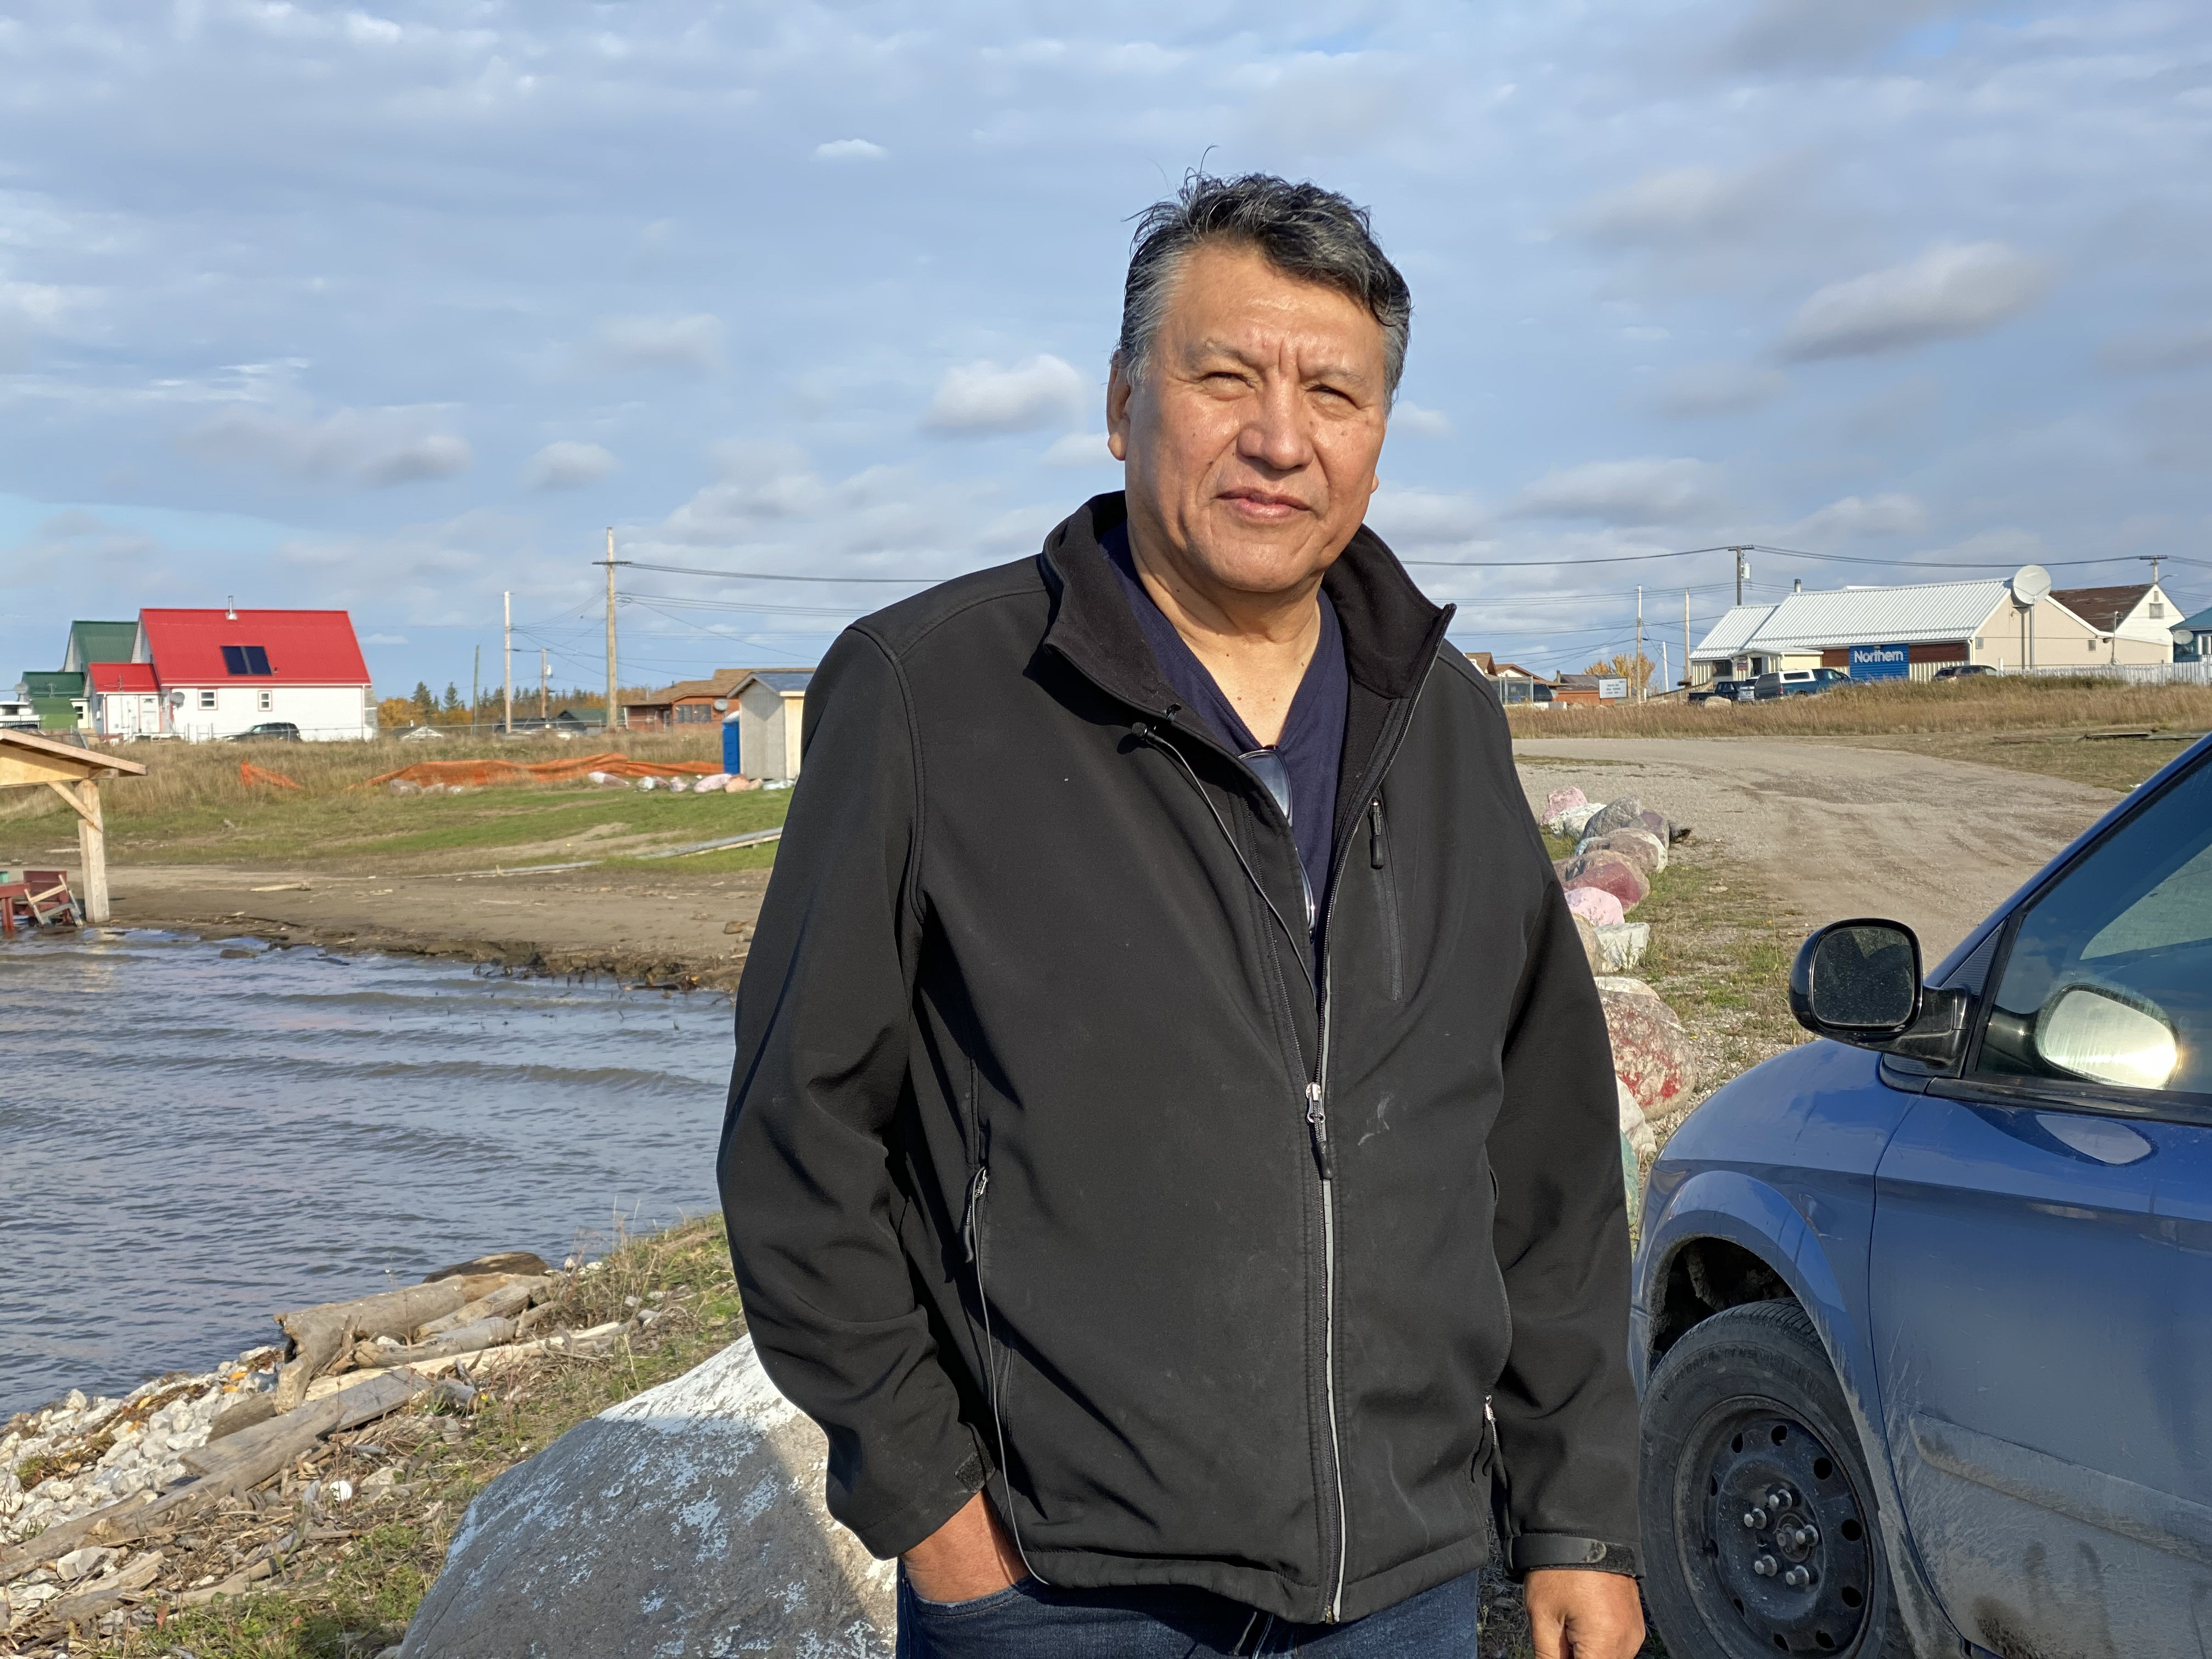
(1796, 1578)
(1780, 1499)
(1808, 1536)
(1754, 1519)
(1766, 1566)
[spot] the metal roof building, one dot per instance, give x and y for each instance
(1893, 633)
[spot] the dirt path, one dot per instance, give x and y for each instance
(670, 928)
(1837, 831)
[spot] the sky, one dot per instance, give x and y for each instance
(400, 308)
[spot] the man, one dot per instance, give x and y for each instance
(1172, 1148)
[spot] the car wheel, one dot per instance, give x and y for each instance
(1760, 1531)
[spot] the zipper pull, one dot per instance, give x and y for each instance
(1317, 1122)
(1375, 834)
(975, 1197)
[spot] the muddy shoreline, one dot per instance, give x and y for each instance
(668, 931)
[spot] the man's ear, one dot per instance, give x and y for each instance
(1118, 394)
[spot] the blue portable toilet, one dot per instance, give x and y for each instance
(730, 740)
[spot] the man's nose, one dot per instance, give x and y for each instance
(1276, 436)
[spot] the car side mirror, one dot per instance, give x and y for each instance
(1858, 982)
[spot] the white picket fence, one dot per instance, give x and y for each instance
(2135, 673)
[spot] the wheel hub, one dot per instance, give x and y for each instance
(1786, 1536)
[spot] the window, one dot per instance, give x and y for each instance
(246, 658)
(2108, 980)
(207, 699)
(691, 714)
(261, 700)
(2157, 609)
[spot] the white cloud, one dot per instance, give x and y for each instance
(1681, 204)
(1427, 519)
(1419, 422)
(1649, 491)
(1315, 102)
(850, 149)
(1859, 516)
(384, 639)
(1080, 449)
(692, 343)
(1717, 389)
(1954, 289)
(982, 397)
(373, 448)
(567, 464)
(1798, 33)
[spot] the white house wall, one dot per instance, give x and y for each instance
(323, 713)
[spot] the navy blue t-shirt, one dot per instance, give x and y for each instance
(1312, 745)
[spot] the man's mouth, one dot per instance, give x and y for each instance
(1263, 504)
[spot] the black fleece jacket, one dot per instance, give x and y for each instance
(1056, 1165)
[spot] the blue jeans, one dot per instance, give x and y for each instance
(1031, 1621)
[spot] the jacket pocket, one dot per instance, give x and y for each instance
(1386, 897)
(998, 1365)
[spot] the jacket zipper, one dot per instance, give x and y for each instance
(1316, 1105)
(1378, 860)
(971, 1238)
(1317, 1119)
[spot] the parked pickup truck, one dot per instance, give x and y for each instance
(1922, 1314)
(1796, 683)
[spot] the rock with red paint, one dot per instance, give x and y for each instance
(1594, 908)
(1616, 873)
(1651, 1052)
(1560, 803)
(1640, 845)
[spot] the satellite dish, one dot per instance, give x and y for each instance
(176, 699)
(2031, 584)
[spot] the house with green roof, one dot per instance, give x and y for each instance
(100, 642)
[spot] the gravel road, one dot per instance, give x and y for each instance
(1837, 831)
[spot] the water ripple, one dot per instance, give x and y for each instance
(191, 1141)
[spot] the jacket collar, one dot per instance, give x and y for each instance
(1391, 630)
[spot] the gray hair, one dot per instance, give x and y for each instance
(1302, 230)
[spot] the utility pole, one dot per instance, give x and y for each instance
(611, 562)
(476, 689)
(545, 670)
(1636, 662)
(1686, 639)
(1742, 569)
(506, 662)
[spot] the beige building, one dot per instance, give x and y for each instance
(769, 709)
(1910, 632)
(2136, 620)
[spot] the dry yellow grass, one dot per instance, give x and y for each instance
(182, 777)
(1982, 703)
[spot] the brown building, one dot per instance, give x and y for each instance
(690, 703)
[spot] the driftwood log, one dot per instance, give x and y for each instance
(504, 1261)
(105, 1595)
(465, 1339)
(327, 1332)
(506, 1302)
(234, 1464)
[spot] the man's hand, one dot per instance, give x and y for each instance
(1577, 1614)
(969, 1556)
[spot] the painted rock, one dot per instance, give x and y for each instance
(1560, 802)
(1594, 908)
(1621, 945)
(1614, 871)
(1651, 1051)
(1614, 815)
(1648, 852)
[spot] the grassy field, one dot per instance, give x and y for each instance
(193, 807)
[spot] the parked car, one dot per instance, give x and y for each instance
(1960, 670)
(278, 731)
(1923, 1319)
(1796, 682)
(421, 734)
(1718, 691)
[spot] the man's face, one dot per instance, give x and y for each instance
(1251, 445)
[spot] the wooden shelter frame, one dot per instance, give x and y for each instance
(28, 760)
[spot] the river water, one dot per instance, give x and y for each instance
(194, 1136)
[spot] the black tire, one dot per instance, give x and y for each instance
(1744, 1409)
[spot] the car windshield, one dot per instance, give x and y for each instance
(2110, 975)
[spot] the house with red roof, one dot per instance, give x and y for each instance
(123, 699)
(219, 672)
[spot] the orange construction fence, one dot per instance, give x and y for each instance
(475, 774)
(249, 773)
